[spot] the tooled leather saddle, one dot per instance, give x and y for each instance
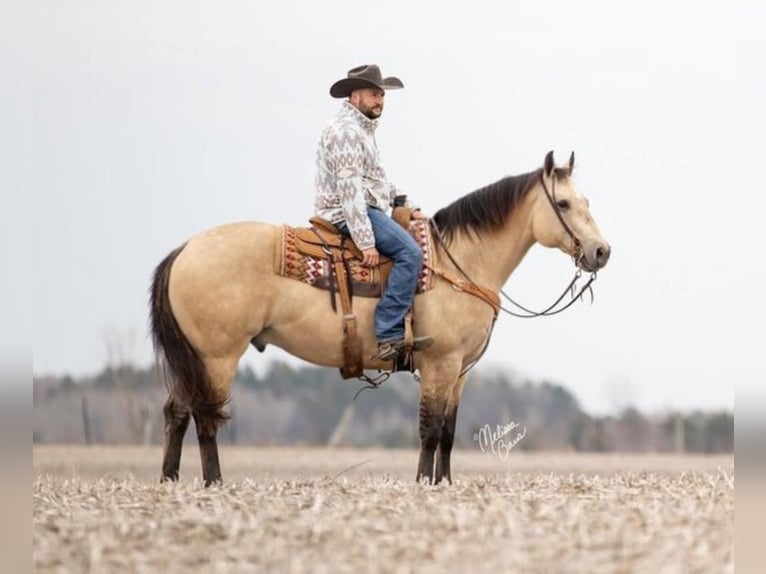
(321, 256)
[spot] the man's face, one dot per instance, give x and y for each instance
(369, 101)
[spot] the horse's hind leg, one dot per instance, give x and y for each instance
(208, 448)
(176, 422)
(221, 372)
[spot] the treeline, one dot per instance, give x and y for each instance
(314, 406)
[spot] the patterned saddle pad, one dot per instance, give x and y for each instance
(365, 281)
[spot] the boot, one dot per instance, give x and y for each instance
(390, 349)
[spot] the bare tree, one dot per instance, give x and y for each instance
(622, 393)
(340, 428)
(120, 346)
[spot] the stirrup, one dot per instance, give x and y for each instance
(391, 349)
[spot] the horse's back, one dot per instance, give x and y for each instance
(233, 247)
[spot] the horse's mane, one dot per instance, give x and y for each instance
(487, 208)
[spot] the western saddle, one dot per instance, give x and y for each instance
(323, 241)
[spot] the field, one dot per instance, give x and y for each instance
(102, 509)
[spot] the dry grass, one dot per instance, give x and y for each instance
(306, 510)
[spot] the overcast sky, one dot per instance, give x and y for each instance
(130, 126)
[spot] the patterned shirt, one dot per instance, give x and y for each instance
(349, 176)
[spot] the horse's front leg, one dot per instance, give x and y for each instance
(436, 384)
(444, 454)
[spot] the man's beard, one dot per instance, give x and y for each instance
(371, 113)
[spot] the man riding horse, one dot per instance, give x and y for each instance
(223, 289)
(354, 193)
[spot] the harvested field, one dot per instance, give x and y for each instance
(102, 509)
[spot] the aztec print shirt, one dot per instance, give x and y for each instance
(349, 175)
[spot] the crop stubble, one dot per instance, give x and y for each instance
(101, 509)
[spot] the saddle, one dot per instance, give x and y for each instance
(324, 241)
(322, 257)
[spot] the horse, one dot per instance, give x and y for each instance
(219, 293)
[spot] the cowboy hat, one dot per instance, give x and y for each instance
(367, 76)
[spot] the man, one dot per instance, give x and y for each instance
(353, 192)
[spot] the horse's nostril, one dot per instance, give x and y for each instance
(602, 254)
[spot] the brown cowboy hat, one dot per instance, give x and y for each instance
(367, 76)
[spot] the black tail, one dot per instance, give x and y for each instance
(180, 365)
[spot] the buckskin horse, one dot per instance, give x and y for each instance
(219, 292)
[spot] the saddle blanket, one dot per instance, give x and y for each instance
(365, 281)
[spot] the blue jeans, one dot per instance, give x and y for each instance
(393, 241)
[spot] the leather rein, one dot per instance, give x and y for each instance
(491, 297)
(577, 255)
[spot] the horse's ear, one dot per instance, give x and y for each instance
(571, 164)
(549, 164)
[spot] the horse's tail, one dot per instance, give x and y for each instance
(180, 365)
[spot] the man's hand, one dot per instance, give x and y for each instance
(371, 257)
(418, 215)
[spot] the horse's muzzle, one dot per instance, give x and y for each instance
(595, 257)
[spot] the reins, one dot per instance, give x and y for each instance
(577, 254)
(491, 298)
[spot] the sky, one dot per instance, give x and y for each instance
(130, 126)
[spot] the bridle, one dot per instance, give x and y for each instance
(577, 256)
(577, 252)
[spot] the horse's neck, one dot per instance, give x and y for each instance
(490, 258)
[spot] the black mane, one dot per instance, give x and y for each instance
(487, 208)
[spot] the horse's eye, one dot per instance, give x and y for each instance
(563, 204)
